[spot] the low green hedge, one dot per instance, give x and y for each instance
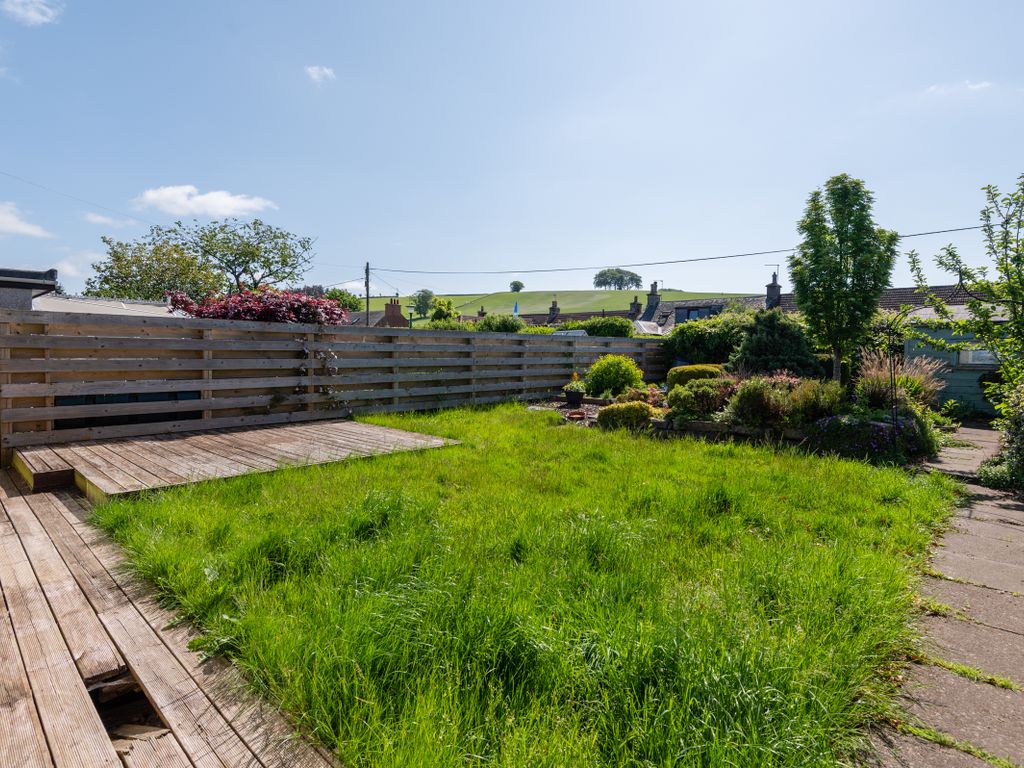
(684, 373)
(635, 416)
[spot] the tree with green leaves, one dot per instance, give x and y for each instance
(423, 301)
(617, 279)
(516, 286)
(250, 253)
(443, 309)
(995, 304)
(842, 265)
(148, 270)
(994, 321)
(345, 299)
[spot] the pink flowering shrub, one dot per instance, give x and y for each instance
(264, 305)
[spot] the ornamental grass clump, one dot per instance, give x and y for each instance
(917, 379)
(612, 375)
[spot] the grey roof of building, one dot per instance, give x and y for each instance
(894, 298)
(34, 280)
(359, 318)
(93, 305)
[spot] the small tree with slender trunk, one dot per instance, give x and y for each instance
(842, 266)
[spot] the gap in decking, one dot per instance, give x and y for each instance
(124, 708)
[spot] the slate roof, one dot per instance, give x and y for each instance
(894, 298)
(664, 312)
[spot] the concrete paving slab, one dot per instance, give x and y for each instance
(899, 750)
(990, 607)
(1012, 535)
(988, 717)
(983, 547)
(994, 651)
(995, 513)
(979, 571)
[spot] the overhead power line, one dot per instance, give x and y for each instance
(76, 198)
(635, 264)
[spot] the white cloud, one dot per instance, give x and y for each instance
(12, 223)
(186, 200)
(108, 221)
(75, 265)
(967, 86)
(319, 74)
(33, 13)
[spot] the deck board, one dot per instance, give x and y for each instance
(74, 733)
(105, 468)
(91, 648)
(22, 742)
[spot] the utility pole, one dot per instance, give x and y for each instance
(367, 294)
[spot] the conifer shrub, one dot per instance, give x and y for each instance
(612, 375)
(775, 342)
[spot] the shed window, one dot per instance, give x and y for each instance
(977, 357)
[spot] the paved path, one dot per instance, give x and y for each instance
(978, 590)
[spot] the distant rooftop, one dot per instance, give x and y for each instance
(26, 279)
(98, 306)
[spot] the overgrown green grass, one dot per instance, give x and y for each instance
(546, 595)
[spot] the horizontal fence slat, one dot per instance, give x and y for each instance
(136, 386)
(19, 439)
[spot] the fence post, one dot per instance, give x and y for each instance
(206, 394)
(5, 378)
(473, 382)
(310, 370)
(394, 368)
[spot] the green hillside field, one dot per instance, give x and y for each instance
(532, 302)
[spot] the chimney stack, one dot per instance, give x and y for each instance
(553, 311)
(393, 317)
(773, 294)
(654, 298)
(634, 308)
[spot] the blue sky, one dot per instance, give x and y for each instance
(476, 135)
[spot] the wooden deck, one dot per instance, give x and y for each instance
(92, 670)
(104, 468)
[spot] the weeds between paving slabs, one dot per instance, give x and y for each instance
(547, 596)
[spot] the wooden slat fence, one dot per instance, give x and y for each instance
(59, 367)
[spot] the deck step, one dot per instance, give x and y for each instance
(42, 469)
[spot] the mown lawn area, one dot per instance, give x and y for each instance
(547, 595)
